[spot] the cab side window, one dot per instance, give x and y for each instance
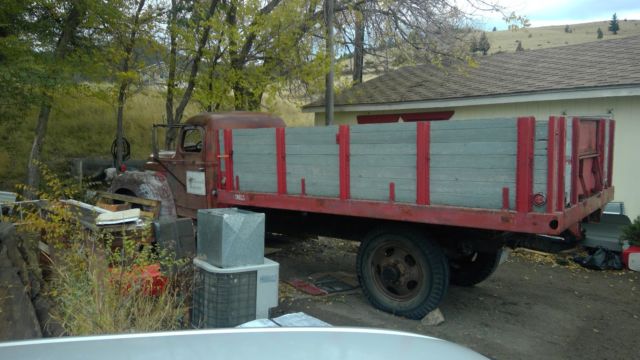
(192, 140)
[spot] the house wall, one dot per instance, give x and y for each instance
(625, 110)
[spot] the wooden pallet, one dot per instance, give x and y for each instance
(149, 209)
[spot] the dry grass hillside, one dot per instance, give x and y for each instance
(551, 36)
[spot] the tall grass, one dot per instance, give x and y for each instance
(97, 287)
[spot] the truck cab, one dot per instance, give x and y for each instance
(191, 162)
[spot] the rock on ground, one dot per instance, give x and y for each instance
(433, 318)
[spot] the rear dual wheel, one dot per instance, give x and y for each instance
(402, 271)
(474, 268)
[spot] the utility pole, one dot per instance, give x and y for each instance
(328, 97)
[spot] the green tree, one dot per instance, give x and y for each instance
(483, 44)
(600, 33)
(614, 26)
(59, 42)
(131, 27)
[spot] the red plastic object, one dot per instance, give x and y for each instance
(625, 254)
(306, 287)
(148, 278)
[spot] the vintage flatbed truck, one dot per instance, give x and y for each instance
(431, 202)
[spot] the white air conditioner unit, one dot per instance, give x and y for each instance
(227, 297)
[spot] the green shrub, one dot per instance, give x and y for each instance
(631, 232)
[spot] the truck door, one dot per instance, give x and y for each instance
(190, 169)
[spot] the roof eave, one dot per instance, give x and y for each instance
(548, 95)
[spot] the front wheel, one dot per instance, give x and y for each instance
(402, 272)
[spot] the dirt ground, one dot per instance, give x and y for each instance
(530, 308)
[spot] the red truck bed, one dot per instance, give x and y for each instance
(518, 175)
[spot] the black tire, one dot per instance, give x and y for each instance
(402, 271)
(475, 268)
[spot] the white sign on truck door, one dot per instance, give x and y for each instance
(195, 183)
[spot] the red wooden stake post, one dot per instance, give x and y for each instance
(345, 162)
(281, 161)
(524, 164)
(422, 166)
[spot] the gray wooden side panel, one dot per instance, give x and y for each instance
(472, 161)
(312, 154)
(381, 155)
(254, 159)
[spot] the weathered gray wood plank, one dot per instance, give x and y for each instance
(382, 182)
(257, 149)
(486, 201)
(313, 188)
(468, 135)
(384, 128)
(474, 148)
(312, 160)
(242, 141)
(383, 172)
(542, 129)
(254, 167)
(312, 149)
(400, 137)
(384, 160)
(469, 174)
(468, 187)
(474, 162)
(401, 195)
(474, 124)
(261, 183)
(383, 149)
(240, 158)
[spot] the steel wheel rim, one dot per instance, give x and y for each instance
(396, 271)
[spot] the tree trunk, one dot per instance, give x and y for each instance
(33, 172)
(124, 86)
(71, 24)
(217, 54)
(328, 98)
(196, 64)
(122, 92)
(358, 51)
(173, 44)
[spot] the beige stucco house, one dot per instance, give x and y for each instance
(600, 78)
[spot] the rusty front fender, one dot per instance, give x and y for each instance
(148, 185)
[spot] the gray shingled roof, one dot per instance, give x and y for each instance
(603, 63)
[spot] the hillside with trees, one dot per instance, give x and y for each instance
(561, 35)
